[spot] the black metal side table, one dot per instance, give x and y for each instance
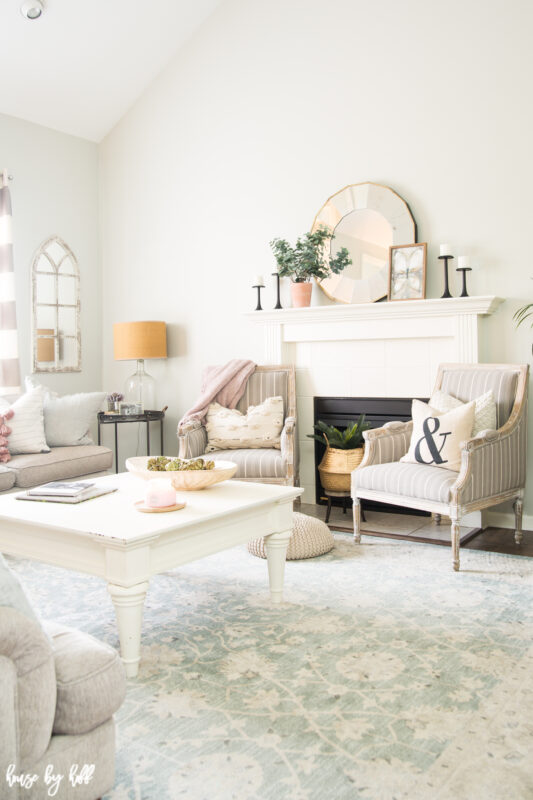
(117, 419)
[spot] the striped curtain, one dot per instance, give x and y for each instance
(9, 362)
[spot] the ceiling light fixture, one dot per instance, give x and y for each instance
(32, 9)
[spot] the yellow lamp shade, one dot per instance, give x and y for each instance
(136, 340)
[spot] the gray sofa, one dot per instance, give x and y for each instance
(61, 463)
(59, 689)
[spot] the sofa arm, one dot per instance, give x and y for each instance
(24, 643)
(386, 444)
(492, 463)
(192, 440)
(9, 754)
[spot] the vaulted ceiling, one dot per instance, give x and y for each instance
(84, 62)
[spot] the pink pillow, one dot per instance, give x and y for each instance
(5, 430)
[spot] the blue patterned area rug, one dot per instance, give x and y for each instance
(386, 676)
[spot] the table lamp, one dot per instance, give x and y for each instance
(140, 340)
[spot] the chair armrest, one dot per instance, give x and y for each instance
(26, 645)
(192, 439)
(492, 463)
(287, 440)
(386, 444)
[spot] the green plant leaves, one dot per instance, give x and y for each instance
(348, 439)
(309, 258)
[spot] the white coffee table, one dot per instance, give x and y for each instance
(108, 537)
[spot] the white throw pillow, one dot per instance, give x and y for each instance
(230, 429)
(67, 420)
(27, 424)
(436, 438)
(484, 414)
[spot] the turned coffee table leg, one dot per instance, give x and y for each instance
(129, 604)
(276, 549)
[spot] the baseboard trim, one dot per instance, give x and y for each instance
(502, 519)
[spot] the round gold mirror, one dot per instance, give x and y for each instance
(367, 219)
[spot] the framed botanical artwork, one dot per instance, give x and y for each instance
(407, 272)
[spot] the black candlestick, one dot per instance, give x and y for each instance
(446, 292)
(464, 270)
(258, 306)
(278, 301)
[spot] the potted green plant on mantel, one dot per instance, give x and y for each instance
(344, 452)
(308, 259)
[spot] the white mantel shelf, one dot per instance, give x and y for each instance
(401, 309)
(389, 349)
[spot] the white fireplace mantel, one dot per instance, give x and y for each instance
(372, 350)
(453, 318)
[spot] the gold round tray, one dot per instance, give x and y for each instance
(140, 506)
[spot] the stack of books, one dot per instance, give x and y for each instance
(65, 492)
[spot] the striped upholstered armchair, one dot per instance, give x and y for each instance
(493, 463)
(263, 465)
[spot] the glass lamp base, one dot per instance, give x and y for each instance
(140, 389)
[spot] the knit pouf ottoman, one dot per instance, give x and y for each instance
(310, 538)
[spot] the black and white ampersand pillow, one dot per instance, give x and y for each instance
(437, 437)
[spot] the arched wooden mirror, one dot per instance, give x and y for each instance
(367, 219)
(56, 308)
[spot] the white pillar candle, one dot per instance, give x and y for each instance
(258, 281)
(463, 261)
(159, 494)
(445, 250)
(276, 268)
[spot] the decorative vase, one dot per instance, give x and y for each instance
(301, 294)
(337, 466)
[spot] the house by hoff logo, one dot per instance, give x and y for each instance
(428, 437)
(77, 776)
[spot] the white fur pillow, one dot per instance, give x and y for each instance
(27, 424)
(68, 419)
(230, 429)
(484, 414)
(436, 438)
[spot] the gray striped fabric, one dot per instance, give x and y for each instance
(467, 384)
(407, 480)
(497, 466)
(262, 385)
(9, 362)
(257, 463)
(193, 442)
(384, 449)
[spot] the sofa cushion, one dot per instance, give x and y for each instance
(91, 682)
(253, 463)
(406, 480)
(7, 478)
(59, 464)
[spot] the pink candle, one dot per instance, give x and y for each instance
(160, 494)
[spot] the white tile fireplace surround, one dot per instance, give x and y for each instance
(369, 350)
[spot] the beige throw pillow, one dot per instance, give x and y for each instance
(437, 437)
(230, 429)
(485, 410)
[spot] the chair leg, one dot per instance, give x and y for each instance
(356, 520)
(328, 511)
(518, 506)
(456, 543)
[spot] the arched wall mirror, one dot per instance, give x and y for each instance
(367, 219)
(56, 308)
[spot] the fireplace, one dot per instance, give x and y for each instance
(339, 411)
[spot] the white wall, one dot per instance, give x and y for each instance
(55, 191)
(274, 106)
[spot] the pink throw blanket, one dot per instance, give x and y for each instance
(224, 384)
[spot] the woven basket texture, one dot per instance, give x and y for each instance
(310, 538)
(337, 466)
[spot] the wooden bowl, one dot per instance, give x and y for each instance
(185, 480)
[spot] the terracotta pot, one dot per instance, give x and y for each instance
(336, 468)
(301, 294)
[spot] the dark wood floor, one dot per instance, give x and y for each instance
(498, 540)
